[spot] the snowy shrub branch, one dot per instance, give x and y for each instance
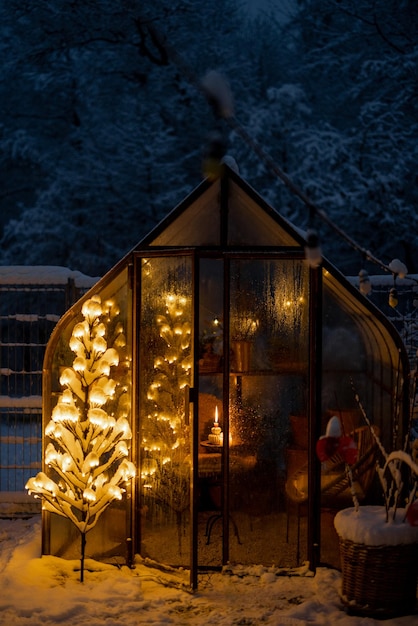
(391, 474)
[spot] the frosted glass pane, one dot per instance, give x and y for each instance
(165, 373)
(268, 386)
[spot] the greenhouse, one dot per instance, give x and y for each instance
(228, 354)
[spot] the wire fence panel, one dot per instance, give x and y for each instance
(29, 311)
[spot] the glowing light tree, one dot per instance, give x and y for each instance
(89, 431)
(166, 445)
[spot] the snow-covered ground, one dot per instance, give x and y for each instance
(46, 591)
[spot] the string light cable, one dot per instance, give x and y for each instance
(217, 92)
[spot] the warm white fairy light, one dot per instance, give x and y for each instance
(91, 310)
(115, 492)
(79, 364)
(97, 416)
(100, 330)
(75, 344)
(97, 397)
(67, 377)
(64, 412)
(92, 460)
(104, 368)
(122, 427)
(164, 452)
(121, 448)
(99, 345)
(80, 330)
(107, 385)
(66, 462)
(120, 341)
(51, 454)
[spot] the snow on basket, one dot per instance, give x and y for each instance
(378, 544)
(368, 526)
(379, 562)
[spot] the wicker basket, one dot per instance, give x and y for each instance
(379, 581)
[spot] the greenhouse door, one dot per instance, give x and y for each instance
(223, 361)
(252, 392)
(165, 450)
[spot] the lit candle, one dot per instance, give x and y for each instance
(216, 435)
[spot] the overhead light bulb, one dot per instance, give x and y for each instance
(313, 252)
(393, 298)
(397, 267)
(365, 286)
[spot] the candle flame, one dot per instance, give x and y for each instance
(216, 416)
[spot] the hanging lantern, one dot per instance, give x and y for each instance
(393, 298)
(313, 252)
(365, 286)
(212, 159)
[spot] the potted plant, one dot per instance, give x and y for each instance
(243, 328)
(210, 347)
(378, 544)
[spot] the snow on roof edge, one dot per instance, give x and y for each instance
(43, 275)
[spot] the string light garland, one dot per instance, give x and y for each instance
(218, 94)
(219, 99)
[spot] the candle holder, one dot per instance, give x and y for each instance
(216, 436)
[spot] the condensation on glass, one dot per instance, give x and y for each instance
(165, 376)
(240, 355)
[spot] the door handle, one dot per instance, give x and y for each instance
(189, 399)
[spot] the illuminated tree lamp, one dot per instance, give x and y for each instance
(88, 448)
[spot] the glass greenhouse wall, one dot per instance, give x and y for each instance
(237, 354)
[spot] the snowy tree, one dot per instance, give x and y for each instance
(89, 431)
(102, 124)
(356, 61)
(103, 119)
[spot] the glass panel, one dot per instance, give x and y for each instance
(166, 353)
(210, 466)
(108, 538)
(359, 346)
(196, 225)
(251, 225)
(269, 360)
(355, 352)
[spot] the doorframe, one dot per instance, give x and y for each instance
(195, 255)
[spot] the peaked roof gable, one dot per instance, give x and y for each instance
(226, 212)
